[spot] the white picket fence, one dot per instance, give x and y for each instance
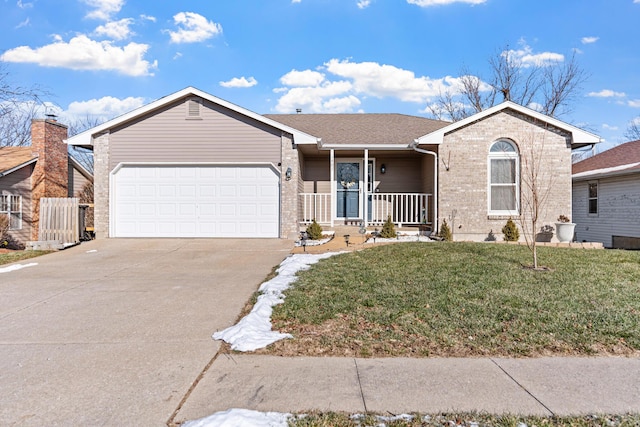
(59, 220)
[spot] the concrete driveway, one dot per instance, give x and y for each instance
(115, 332)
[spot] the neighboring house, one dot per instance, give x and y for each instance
(193, 165)
(29, 173)
(606, 197)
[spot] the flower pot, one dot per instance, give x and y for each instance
(564, 231)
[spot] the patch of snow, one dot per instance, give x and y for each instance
(403, 237)
(92, 251)
(254, 330)
(329, 235)
(241, 418)
(16, 267)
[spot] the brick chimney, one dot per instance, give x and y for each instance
(50, 176)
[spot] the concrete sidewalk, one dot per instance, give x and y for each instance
(540, 386)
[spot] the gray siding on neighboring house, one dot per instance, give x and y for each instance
(219, 135)
(19, 183)
(618, 209)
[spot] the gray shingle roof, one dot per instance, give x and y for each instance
(368, 129)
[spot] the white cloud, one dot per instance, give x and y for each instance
(296, 1)
(316, 92)
(23, 5)
(24, 23)
(635, 103)
(609, 127)
(193, 28)
(606, 93)
(148, 18)
(527, 58)
(427, 3)
(371, 78)
(105, 108)
(82, 53)
(104, 9)
(239, 82)
(312, 99)
(589, 40)
(363, 4)
(117, 30)
(302, 78)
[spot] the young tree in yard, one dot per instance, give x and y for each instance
(536, 183)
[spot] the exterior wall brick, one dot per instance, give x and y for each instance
(50, 176)
(289, 189)
(101, 185)
(463, 174)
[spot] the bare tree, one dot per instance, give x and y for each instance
(551, 86)
(633, 131)
(18, 105)
(536, 184)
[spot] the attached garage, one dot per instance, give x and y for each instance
(195, 201)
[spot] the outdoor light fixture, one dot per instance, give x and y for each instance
(303, 239)
(383, 168)
(287, 174)
(346, 239)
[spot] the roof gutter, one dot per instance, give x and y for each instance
(435, 181)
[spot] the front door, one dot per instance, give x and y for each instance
(348, 189)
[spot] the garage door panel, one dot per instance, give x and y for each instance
(191, 201)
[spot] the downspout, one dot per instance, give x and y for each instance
(435, 182)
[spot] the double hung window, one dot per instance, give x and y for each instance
(504, 179)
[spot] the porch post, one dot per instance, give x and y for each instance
(332, 196)
(365, 199)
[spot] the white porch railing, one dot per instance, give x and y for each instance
(404, 208)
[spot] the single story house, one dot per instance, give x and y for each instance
(193, 165)
(606, 197)
(27, 174)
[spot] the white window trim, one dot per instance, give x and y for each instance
(9, 199)
(509, 156)
(589, 198)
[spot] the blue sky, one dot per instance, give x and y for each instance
(105, 57)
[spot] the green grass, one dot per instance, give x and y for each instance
(464, 420)
(464, 299)
(15, 256)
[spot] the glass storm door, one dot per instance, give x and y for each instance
(348, 189)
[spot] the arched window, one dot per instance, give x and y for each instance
(504, 182)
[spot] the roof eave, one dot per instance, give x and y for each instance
(606, 172)
(85, 138)
(579, 137)
(389, 147)
(18, 167)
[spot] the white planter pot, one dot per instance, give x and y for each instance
(564, 231)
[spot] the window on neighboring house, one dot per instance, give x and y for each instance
(504, 185)
(593, 197)
(11, 206)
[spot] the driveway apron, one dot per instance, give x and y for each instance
(114, 332)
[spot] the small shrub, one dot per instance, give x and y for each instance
(388, 229)
(314, 231)
(510, 231)
(445, 232)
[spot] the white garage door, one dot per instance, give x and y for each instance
(195, 201)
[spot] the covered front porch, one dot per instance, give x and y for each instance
(365, 187)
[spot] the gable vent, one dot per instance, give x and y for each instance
(193, 108)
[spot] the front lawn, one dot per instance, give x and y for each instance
(15, 256)
(463, 299)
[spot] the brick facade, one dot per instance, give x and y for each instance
(50, 176)
(463, 174)
(289, 189)
(101, 174)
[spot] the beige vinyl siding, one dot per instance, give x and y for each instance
(403, 175)
(618, 209)
(18, 183)
(219, 135)
(77, 181)
(316, 175)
